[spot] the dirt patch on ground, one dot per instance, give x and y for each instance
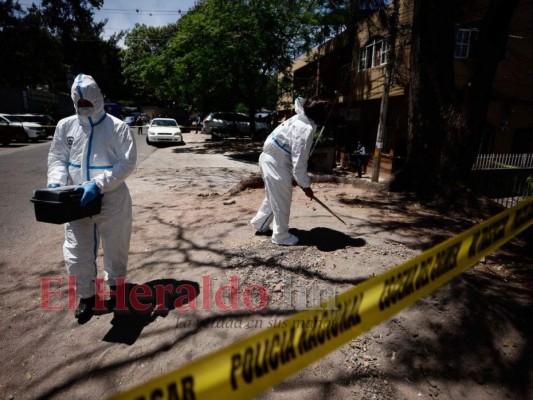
(471, 339)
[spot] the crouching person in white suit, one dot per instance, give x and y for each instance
(285, 155)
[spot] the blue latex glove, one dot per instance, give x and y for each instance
(90, 191)
(53, 185)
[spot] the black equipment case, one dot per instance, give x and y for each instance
(62, 204)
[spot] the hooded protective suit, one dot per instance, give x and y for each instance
(285, 154)
(100, 148)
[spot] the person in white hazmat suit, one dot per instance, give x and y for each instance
(285, 155)
(96, 151)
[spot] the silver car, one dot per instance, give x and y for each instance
(34, 131)
(46, 121)
(221, 125)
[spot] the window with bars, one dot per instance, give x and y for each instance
(374, 54)
(462, 43)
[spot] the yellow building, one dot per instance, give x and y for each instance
(353, 71)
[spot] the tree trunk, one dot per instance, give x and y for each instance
(488, 51)
(444, 136)
(431, 97)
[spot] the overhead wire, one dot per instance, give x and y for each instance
(126, 10)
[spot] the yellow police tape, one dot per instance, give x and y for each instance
(248, 367)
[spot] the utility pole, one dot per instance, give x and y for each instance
(381, 125)
(389, 73)
(317, 91)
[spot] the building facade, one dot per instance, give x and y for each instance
(352, 70)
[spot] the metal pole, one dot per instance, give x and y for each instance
(328, 209)
(389, 69)
(381, 127)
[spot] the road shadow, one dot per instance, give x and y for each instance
(163, 145)
(464, 335)
(144, 303)
(325, 239)
(463, 321)
(251, 157)
(235, 148)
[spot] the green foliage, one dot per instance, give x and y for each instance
(330, 18)
(218, 55)
(242, 108)
(72, 19)
(222, 53)
(41, 46)
(82, 47)
(143, 45)
(30, 55)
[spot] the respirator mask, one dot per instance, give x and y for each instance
(85, 111)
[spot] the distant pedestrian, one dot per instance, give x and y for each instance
(139, 123)
(360, 157)
(198, 123)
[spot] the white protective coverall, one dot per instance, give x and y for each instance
(285, 154)
(100, 148)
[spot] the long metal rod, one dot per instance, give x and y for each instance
(327, 208)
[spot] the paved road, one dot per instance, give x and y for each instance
(214, 168)
(23, 168)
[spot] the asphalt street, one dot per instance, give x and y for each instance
(23, 168)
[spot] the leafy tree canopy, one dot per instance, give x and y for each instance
(142, 44)
(42, 45)
(73, 19)
(222, 53)
(23, 37)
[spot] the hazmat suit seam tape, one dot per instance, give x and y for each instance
(281, 146)
(246, 368)
(100, 166)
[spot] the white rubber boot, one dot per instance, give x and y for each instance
(290, 240)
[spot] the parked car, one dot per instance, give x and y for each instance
(130, 120)
(163, 130)
(11, 132)
(46, 121)
(32, 130)
(114, 109)
(221, 125)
